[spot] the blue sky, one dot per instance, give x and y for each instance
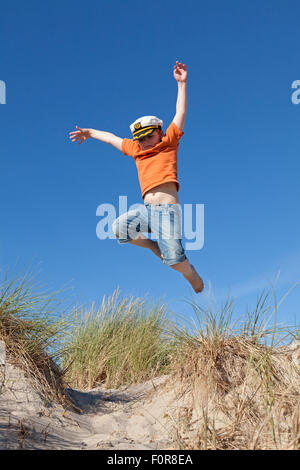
(102, 65)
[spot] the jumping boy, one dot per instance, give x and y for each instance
(155, 155)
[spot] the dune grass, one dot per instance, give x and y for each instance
(32, 329)
(123, 342)
(239, 378)
(242, 383)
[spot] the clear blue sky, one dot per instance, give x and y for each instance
(102, 65)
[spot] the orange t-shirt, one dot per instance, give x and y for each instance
(159, 164)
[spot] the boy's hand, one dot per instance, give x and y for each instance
(107, 137)
(80, 134)
(180, 72)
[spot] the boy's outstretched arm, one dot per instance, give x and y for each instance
(83, 134)
(180, 75)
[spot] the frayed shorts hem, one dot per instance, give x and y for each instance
(168, 261)
(172, 261)
(125, 240)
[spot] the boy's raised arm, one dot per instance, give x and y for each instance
(180, 75)
(83, 134)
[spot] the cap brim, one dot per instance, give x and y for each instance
(143, 133)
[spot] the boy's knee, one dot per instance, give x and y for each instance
(119, 228)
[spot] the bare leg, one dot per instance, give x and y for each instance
(187, 269)
(145, 242)
(190, 273)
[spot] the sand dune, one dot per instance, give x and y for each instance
(110, 419)
(144, 416)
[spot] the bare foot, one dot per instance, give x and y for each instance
(195, 280)
(156, 250)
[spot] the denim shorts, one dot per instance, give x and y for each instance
(163, 221)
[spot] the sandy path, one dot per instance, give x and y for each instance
(132, 418)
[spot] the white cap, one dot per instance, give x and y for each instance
(145, 125)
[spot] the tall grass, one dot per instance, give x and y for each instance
(123, 342)
(32, 329)
(238, 377)
(243, 388)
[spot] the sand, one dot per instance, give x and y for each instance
(143, 416)
(127, 418)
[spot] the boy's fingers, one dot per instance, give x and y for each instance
(181, 65)
(75, 133)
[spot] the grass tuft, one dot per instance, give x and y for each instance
(123, 342)
(243, 391)
(32, 330)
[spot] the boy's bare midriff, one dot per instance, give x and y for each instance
(165, 193)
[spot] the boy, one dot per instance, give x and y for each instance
(155, 155)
